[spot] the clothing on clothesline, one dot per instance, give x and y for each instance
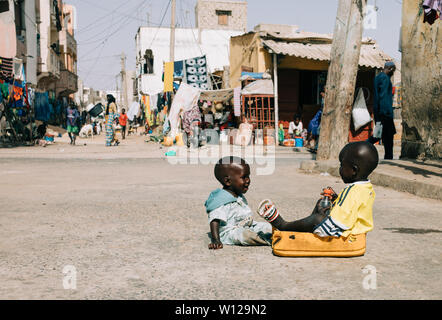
(6, 67)
(431, 8)
(196, 73)
(189, 117)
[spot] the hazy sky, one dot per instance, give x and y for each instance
(106, 28)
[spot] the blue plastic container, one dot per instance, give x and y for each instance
(299, 142)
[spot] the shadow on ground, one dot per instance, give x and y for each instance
(413, 231)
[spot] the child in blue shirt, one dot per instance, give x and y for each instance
(230, 217)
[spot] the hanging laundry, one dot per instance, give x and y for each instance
(168, 76)
(196, 73)
(41, 106)
(178, 69)
(431, 8)
(191, 116)
(153, 102)
(185, 99)
(6, 67)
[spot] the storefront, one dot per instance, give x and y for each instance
(302, 60)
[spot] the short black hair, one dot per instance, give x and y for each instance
(297, 116)
(225, 165)
(364, 155)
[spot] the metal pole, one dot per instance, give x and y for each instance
(275, 93)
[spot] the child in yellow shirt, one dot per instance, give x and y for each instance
(351, 211)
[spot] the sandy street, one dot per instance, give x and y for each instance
(133, 226)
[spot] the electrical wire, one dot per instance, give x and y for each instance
(96, 38)
(107, 38)
(161, 23)
(201, 50)
(118, 28)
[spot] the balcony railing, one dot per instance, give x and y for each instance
(68, 42)
(68, 82)
(54, 63)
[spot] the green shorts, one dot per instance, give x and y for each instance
(72, 129)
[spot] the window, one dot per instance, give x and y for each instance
(148, 64)
(19, 16)
(223, 17)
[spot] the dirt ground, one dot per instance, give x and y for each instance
(133, 226)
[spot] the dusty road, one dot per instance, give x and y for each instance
(134, 227)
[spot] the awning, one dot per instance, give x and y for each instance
(217, 95)
(371, 56)
(264, 86)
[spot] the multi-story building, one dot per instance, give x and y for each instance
(18, 41)
(49, 16)
(57, 48)
(216, 22)
(68, 82)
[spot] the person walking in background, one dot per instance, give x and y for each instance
(314, 126)
(72, 120)
(123, 122)
(111, 111)
(383, 108)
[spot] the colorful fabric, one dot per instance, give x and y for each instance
(168, 76)
(196, 73)
(41, 106)
(109, 129)
(351, 213)
(189, 117)
(110, 133)
(178, 69)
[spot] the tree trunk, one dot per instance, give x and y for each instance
(341, 78)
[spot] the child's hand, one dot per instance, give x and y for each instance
(323, 211)
(215, 245)
(334, 196)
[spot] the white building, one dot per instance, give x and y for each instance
(213, 40)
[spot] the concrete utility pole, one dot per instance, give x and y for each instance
(172, 32)
(341, 79)
(123, 93)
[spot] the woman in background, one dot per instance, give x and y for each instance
(111, 112)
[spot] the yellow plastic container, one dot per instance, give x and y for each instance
(168, 141)
(303, 244)
(179, 140)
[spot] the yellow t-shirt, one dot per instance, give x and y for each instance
(351, 213)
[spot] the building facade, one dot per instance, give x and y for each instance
(221, 15)
(211, 38)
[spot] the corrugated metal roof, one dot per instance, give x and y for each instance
(370, 56)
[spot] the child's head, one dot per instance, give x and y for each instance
(234, 174)
(123, 111)
(358, 160)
